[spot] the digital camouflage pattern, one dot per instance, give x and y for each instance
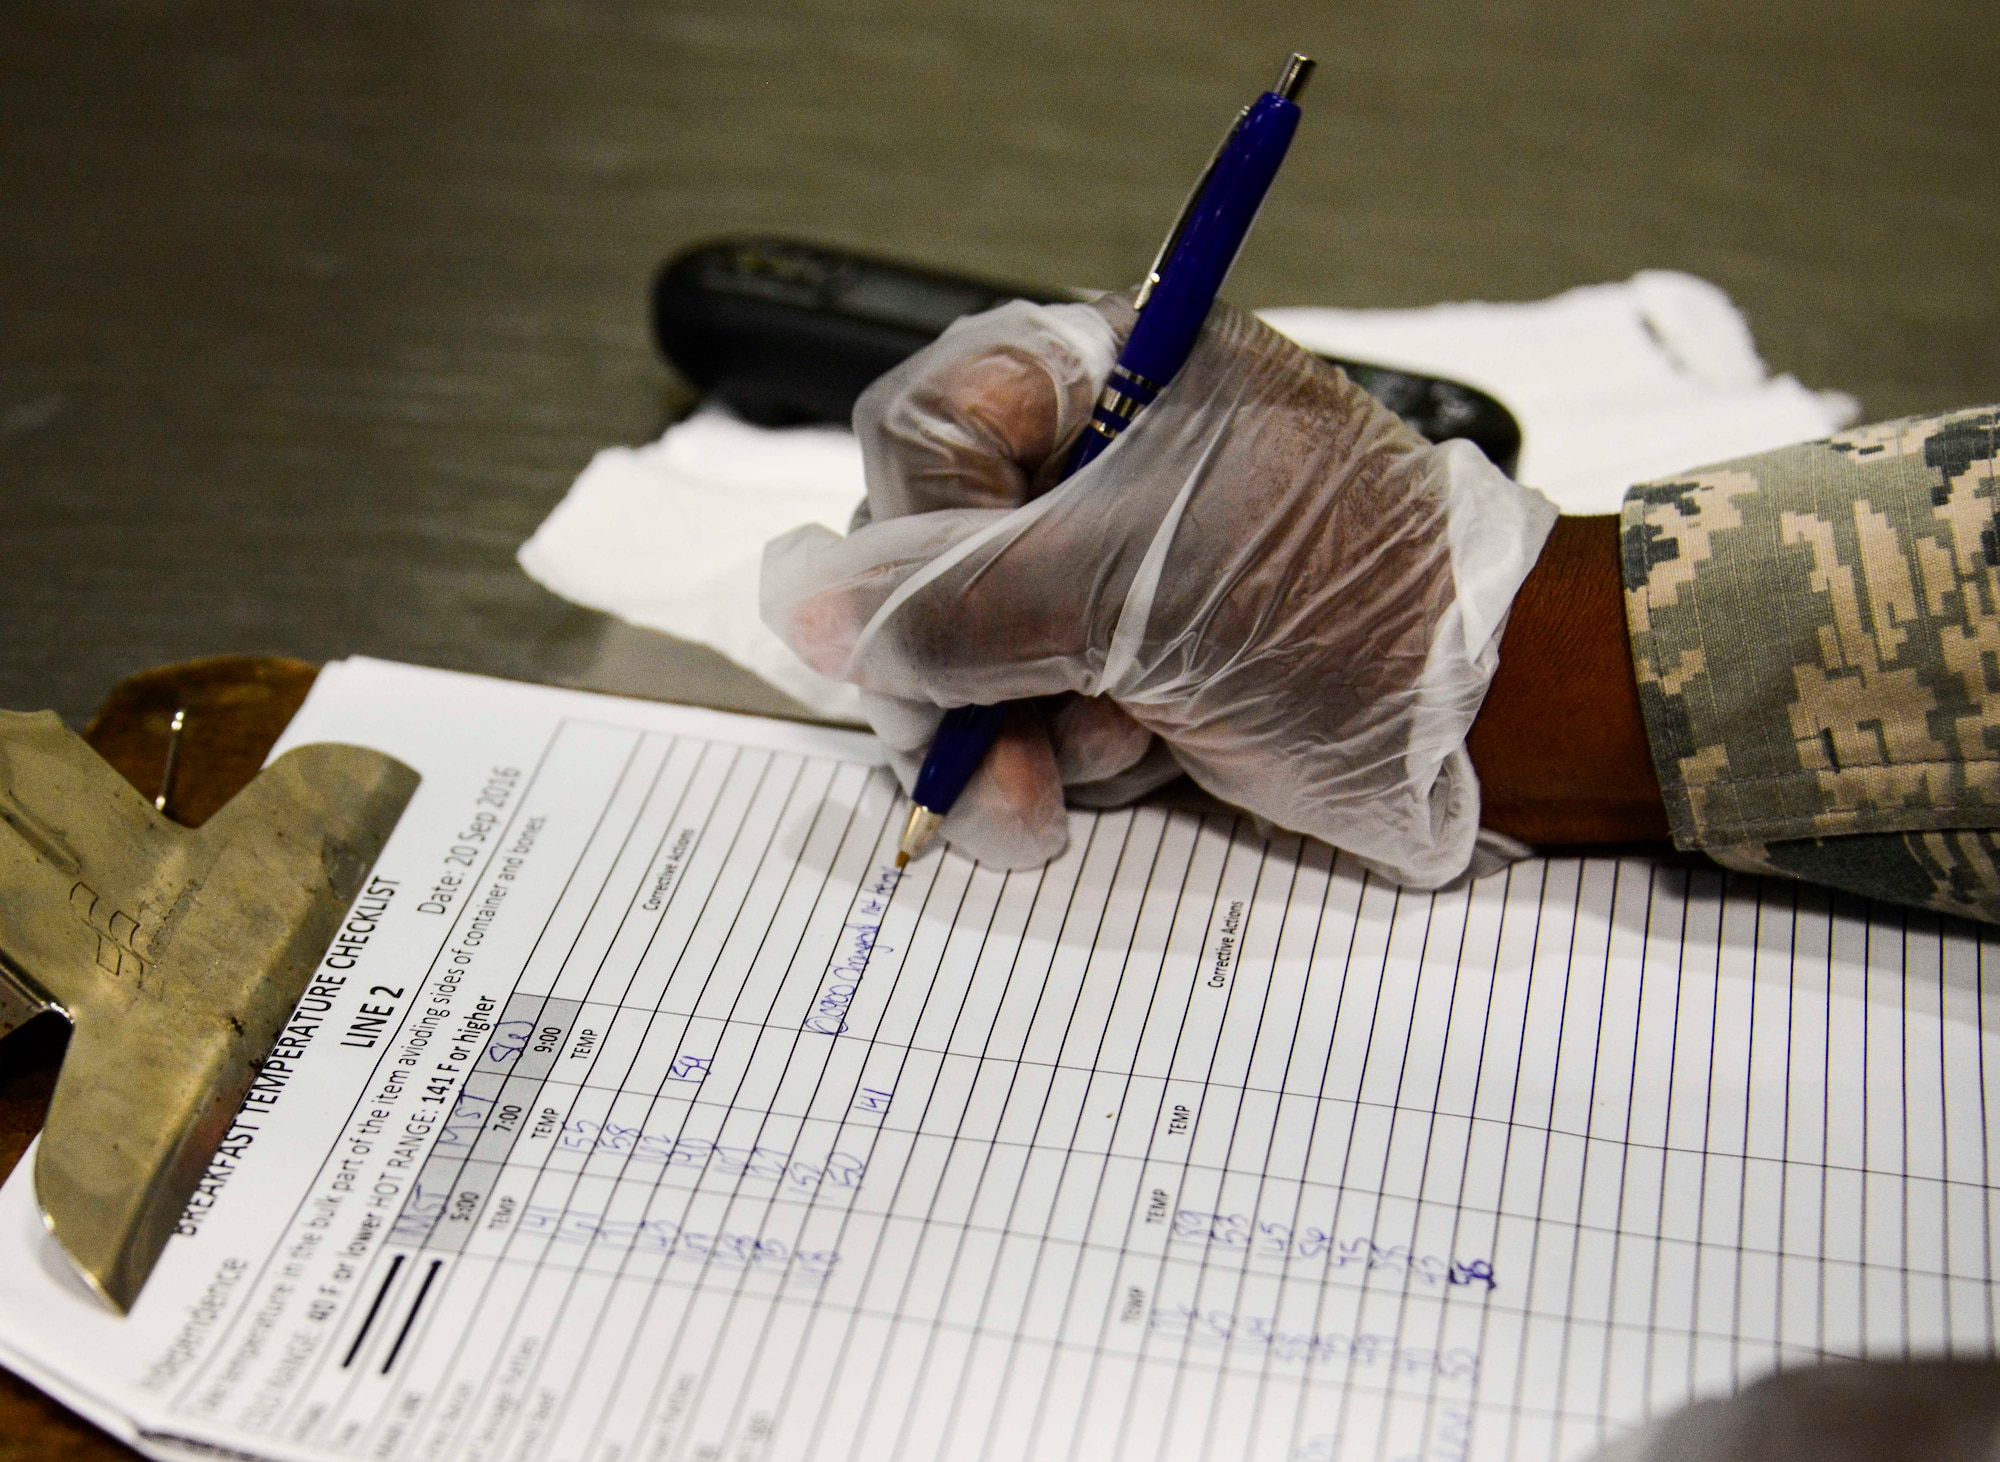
(1816, 633)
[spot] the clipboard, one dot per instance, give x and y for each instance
(238, 705)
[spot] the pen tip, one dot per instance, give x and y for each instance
(917, 833)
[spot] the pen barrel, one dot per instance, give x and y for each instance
(1193, 273)
(957, 749)
(1188, 282)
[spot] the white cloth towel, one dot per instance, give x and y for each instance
(1612, 384)
(671, 535)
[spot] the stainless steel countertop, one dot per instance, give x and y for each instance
(309, 314)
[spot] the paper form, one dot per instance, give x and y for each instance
(642, 1111)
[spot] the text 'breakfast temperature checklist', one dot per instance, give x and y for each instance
(643, 1111)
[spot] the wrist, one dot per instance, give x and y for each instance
(1560, 741)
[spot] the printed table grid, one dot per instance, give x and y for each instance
(1193, 1137)
(1975, 1161)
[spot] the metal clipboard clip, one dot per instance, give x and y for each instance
(177, 954)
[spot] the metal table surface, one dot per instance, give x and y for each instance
(309, 313)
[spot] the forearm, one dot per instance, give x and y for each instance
(1560, 744)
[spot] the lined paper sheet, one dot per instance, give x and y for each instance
(647, 1113)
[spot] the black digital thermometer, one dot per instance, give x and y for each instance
(785, 332)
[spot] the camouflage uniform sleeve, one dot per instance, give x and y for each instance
(1816, 633)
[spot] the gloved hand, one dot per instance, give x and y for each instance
(1269, 581)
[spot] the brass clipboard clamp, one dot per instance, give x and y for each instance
(178, 955)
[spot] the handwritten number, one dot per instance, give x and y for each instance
(1280, 1241)
(844, 1171)
(1478, 1271)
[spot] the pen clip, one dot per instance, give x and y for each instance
(1187, 212)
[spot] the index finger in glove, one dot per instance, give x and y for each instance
(952, 608)
(1010, 814)
(983, 416)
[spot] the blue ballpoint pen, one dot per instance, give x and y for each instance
(1178, 292)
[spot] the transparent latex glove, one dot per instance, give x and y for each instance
(1269, 581)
